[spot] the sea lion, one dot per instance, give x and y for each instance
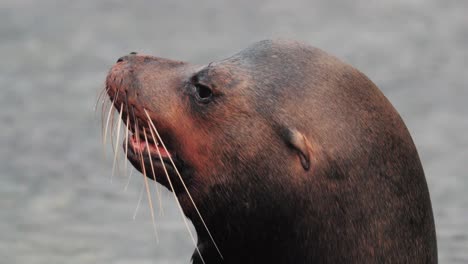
(289, 154)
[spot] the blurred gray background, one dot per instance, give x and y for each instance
(57, 203)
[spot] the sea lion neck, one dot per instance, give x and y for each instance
(257, 226)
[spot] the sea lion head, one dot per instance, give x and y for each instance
(283, 149)
(219, 124)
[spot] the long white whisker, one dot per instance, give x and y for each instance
(178, 204)
(129, 178)
(148, 193)
(103, 112)
(111, 129)
(139, 200)
(107, 122)
(182, 181)
(113, 120)
(126, 144)
(152, 170)
(100, 98)
(118, 137)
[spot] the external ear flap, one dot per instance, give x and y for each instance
(299, 142)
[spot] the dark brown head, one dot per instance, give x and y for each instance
(284, 149)
(214, 120)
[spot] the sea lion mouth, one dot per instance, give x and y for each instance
(150, 152)
(146, 148)
(155, 159)
(139, 145)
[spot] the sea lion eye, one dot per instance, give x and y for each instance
(203, 93)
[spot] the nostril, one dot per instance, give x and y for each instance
(121, 59)
(133, 53)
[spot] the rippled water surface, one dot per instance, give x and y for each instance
(57, 204)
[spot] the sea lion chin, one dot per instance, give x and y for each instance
(280, 153)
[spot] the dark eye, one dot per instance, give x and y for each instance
(203, 93)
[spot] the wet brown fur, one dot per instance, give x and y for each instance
(278, 104)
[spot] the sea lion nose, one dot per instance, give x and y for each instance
(126, 57)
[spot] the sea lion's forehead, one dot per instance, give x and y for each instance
(273, 51)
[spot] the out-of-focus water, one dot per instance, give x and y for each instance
(57, 204)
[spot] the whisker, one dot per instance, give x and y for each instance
(139, 200)
(113, 120)
(129, 178)
(126, 144)
(152, 170)
(126, 148)
(148, 193)
(107, 122)
(118, 137)
(112, 128)
(164, 166)
(177, 200)
(183, 184)
(100, 98)
(103, 111)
